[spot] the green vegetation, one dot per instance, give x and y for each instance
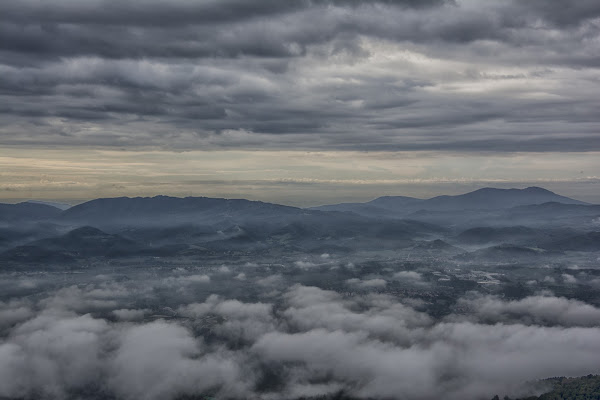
(582, 388)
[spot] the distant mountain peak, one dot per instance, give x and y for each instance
(487, 198)
(530, 190)
(538, 189)
(167, 210)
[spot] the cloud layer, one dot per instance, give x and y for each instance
(299, 341)
(405, 75)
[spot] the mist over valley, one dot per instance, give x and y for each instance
(458, 297)
(299, 200)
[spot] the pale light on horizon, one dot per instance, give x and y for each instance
(300, 178)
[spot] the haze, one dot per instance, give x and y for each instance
(299, 200)
(101, 98)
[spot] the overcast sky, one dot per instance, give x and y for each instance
(466, 92)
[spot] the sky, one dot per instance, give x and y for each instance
(298, 102)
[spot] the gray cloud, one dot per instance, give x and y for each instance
(184, 367)
(305, 342)
(553, 12)
(434, 75)
(13, 312)
(50, 353)
(538, 310)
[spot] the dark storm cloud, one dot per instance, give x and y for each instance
(156, 12)
(326, 74)
(560, 13)
(259, 28)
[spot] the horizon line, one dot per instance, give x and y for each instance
(59, 202)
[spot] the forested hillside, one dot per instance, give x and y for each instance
(582, 388)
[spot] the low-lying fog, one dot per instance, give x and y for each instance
(455, 297)
(290, 330)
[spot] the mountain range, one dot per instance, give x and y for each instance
(482, 199)
(194, 226)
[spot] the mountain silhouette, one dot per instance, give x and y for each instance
(481, 199)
